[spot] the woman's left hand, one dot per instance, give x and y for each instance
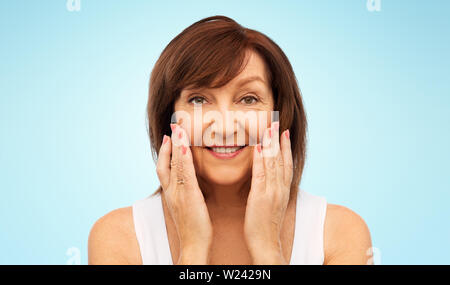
(269, 196)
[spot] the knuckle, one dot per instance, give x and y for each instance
(260, 176)
(159, 171)
(179, 166)
(280, 162)
(187, 176)
(290, 166)
(271, 163)
(273, 180)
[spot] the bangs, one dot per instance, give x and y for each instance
(212, 58)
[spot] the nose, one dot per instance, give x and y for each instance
(226, 125)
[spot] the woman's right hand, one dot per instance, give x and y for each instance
(184, 197)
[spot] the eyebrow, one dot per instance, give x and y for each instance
(240, 83)
(250, 79)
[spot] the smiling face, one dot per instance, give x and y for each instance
(230, 160)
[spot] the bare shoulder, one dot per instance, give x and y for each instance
(346, 236)
(112, 239)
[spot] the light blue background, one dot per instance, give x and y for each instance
(73, 90)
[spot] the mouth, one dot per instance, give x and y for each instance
(225, 152)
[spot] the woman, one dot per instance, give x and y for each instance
(229, 189)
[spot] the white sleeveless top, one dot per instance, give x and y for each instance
(307, 248)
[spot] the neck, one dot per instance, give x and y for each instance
(226, 196)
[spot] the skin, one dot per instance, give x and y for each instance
(244, 214)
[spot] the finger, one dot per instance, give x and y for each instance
(258, 172)
(269, 159)
(270, 142)
(163, 163)
(186, 159)
(279, 163)
(175, 166)
(287, 158)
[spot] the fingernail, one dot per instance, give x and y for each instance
(258, 148)
(276, 125)
(164, 139)
(173, 127)
(180, 134)
(183, 149)
(287, 133)
(270, 133)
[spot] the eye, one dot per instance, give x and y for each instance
(197, 100)
(248, 100)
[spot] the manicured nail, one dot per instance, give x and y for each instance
(183, 149)
(258, 148)
(165, 139)
(276, 125)
(173, 127)
(286, 133)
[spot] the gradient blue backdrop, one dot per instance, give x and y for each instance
(73, 90)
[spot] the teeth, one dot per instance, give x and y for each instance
(225, 149)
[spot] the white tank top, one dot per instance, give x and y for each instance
(307, 248)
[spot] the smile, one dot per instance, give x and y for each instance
(225, 152)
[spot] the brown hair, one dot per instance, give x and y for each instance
(210, 53)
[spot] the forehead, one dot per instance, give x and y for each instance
(254, 71)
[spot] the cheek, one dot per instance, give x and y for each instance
(196, 154)
(255, 130)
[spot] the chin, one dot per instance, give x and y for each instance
(225, 176)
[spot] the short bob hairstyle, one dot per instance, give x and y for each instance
(210, 53)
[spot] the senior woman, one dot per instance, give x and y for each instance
(229, 185)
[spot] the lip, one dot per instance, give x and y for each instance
(225, 155)
(235, 145)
